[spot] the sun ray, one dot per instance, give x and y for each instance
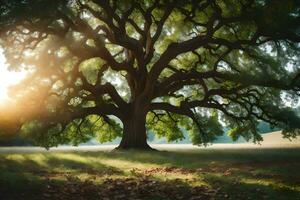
(8, 78)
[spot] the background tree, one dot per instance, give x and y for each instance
(100, 66)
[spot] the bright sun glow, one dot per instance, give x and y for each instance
(7, 78)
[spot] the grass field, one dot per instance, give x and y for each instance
(191, 174)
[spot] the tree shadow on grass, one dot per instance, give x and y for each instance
(82, 167)
(242, 184)
(27, 177)
(236, 187)
(18, 185)
(144, 188)
(50, 164)
(203, 158)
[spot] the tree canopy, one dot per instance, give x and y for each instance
(98, 67)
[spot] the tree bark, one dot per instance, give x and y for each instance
(134, 130)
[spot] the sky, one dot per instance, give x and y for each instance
(7, 78)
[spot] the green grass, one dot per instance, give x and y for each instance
(221, 173)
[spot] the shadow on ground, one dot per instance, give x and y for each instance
(206, 174)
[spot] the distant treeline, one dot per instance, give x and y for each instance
(16, 141)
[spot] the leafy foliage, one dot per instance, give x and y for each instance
(171, 65)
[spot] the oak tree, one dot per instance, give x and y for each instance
(109, 68)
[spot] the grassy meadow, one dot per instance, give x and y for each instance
(193, 174)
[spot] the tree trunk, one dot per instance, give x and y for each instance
(134, 131)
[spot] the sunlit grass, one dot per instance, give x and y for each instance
(272, 172)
